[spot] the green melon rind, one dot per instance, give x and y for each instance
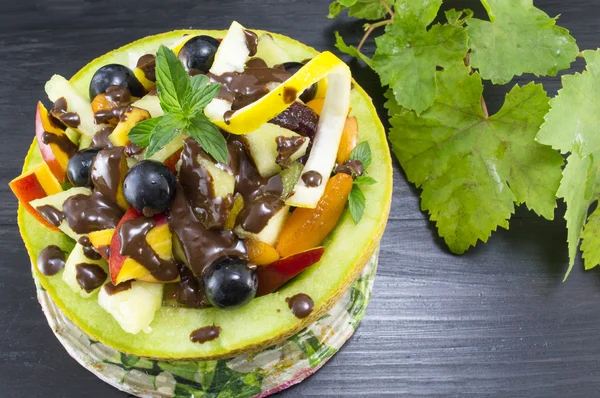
(264, 321)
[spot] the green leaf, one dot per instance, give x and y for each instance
(365, 180)
(209, 137)
(519, 38)
(472, 169)
(165, 131)
(362, 152)
(141, 132)
(200, 94)
(171, 79)
(408, 54)
(356, 203)
(351, 50)
(573, 125)
(364, 9)
(458, 18)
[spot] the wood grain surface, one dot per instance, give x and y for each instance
(495, 321)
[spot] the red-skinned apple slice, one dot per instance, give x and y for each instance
(36, 184)
(123, 268)
(53, 154)
(272, 277)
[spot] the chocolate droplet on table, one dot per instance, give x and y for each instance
(51, 260)
(301, 305)
(205, 334)
(312, 179)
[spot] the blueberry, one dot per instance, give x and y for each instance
(149, 186)
(115, 75)
(230, 283)
(199, 53)
(80, 166)
(310, 92)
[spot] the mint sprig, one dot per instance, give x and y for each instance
(356, 199)
(183, 100)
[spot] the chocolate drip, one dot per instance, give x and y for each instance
(119, 100)
(51, 214)
(51, 260)
(104, 251)
(147, 64)
(299, 118)
(132, 150)
(100, 139)
(87, 213)
(251, 42)
(244, 88)
(59, 111)
(132, 235)
(107, 169)
(312, 179)
(111, 289)
(255, 216)
(352, 167)
(198, 187)
(88, 250)
(90, 276)
(286, 147)
(301, 305)
(201, 246)
(205, 334)
(61, 141)
(190, 290)
(289, 95)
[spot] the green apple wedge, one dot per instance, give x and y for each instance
(265, 320)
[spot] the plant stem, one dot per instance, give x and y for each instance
(484, 109)
(580, 55)
(388, 8)
(370, 30)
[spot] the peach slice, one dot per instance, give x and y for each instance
(260, 253)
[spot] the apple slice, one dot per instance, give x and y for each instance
(123, 268)
(37, 183)
(233, 51)
(132, 116)
(55, 145)
(56, 202)
(272, 277)
(78, 270)
(100, 240)
(59, 87)
(133, 308)
(262, 145)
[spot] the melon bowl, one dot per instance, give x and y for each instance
(339, 286)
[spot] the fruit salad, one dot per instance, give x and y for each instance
(208, 176)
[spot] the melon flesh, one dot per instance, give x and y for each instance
(264, 320)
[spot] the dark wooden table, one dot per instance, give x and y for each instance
(495, 321)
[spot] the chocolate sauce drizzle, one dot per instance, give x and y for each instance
(205, 334)
(51, 214)
(59, 111)
(87, 213)
(132, 234)
(107, 170)
(312, 179)
(100, 139)
(112, 289)
(251, 42)
(61, 141)
(90, 276)
(353, 167)
(147, 64)
(119, 99)
(51, 260)
(88, 250)
(286, 147)
(301, 305)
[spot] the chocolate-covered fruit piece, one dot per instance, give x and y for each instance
(347, 249)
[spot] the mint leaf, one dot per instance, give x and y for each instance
(519, 38)
(141, 132)
(200, 94)
(356, 203)
(171, 80)
(169, 127)
(365, 180)
(209, 137)
(473, 168)
(408, 53)
(362, 152)
(351, 50)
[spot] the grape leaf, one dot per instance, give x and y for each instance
(573, 126)
(367, 9)
(472, 169)
(519, 38)
(408, 53)
(351, 50)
